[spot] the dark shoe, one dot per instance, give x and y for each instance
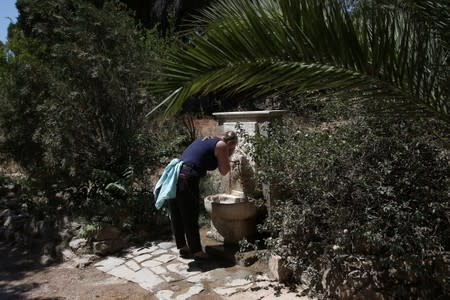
(201, 257)
(185, 253)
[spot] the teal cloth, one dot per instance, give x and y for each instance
(166, 187)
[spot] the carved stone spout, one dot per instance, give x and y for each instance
(241, 177)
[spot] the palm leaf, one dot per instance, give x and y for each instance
(387, 53)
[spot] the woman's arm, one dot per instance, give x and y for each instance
(222, 153)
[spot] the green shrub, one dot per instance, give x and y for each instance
(73, 100)
(111, 199)
(359, 206)
(74, 95)
(87, 231)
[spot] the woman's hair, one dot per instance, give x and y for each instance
(229, 136)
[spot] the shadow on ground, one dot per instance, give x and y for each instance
(219, 257)
(15, 266)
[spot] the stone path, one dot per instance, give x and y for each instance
(157, 268)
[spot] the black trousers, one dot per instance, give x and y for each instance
(184, 210)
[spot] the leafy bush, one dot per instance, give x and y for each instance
(112, 199)
(360, 207)
(74, 100)
(74, 95)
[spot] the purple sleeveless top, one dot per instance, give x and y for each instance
(201, 154)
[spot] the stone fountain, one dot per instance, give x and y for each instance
(233, 215)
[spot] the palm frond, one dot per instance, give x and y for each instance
(383, 51)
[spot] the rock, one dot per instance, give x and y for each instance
(76, 244)
(11, 187)
(67, 254)
(247, 261)
(166, 245)
(46, 260)
(107, 233)
(61, 246)
(85, 260)
(8, 221)
(48, 249)
(11, 195)
(74, 228)
(66, 221)
(75, 225)
(5, 213)
(32, 228)
(65, 235)
(109, 246)
(280, 272)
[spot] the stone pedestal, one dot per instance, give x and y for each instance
(232, 218)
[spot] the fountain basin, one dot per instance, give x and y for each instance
(232, 216)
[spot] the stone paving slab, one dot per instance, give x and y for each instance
(164, 294)
(133, 265)
(157, 268)
(147, 279)
(109, 263)
(151, 263)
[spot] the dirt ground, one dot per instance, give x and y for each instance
(22, 277)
